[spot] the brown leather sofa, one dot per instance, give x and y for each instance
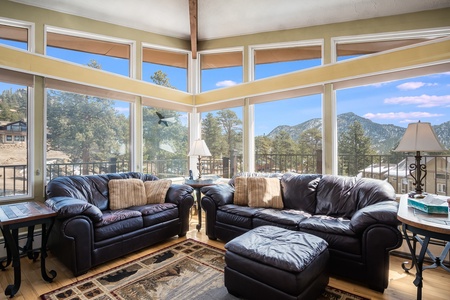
(87, 232)
(357, 217)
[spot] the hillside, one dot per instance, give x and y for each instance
(385, 137)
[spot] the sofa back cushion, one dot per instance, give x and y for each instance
(299, 191)
(90, 188)
(124, 193)
(335, 197)
(369, 191)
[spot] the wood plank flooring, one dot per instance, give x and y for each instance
(436, 281)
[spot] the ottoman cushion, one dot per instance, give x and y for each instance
(288, 261)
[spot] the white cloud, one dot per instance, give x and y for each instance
(380, 84)
(226, 83)
(401, 115)
(413, 85)
(420, 101)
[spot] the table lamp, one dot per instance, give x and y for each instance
(418, 137)
(199, 149)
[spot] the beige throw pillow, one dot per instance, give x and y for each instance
(240, 191)
(156, 190)
(264, 192)
(124, 193)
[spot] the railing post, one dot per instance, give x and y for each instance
(226, 167)
(319, 161)
(113, 165)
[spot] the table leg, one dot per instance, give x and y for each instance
(11, 242)
(45, 233)
(199, 208)
(4, 263)
(417, 262)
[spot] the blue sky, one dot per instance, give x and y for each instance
(425, 98)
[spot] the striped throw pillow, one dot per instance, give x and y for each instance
(125, 193)
(156, 190)
(240, 191)
(264, 192)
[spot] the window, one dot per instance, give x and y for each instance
(172, 64)
(222, 132)
(280, 59)
(220, 69)
(87, 134)
(373, 118)
(165, 142)
(355, 46)
(14, 115)
(15, 33)
(441, 188)
(288, 135)
(104, 53)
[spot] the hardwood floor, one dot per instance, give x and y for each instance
(401, 287)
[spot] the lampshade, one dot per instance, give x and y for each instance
(199, 148)
(419, 136)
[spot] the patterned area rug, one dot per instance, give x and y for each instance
(186, 270)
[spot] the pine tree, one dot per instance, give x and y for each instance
(357, 147)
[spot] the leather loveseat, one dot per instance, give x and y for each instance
(87, 232)
(357, 217)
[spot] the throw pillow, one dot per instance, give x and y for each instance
(240, 191)
(264, 192)
(156, 190)
(124, 193)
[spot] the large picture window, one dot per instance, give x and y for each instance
(165, 142)
(86, 134)
(373, 118)
(14, 138)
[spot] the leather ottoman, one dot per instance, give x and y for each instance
(275, 263)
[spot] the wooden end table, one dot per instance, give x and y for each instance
(197, 185)
(429, 226)
(18, 215)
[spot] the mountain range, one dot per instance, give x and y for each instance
(384, 137)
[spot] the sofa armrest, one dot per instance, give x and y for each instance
(67, 207)
(178, 192)
(379, 213)
(221, 194)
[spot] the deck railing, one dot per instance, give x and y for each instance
(392, 168)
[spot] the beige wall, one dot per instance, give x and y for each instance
(323, 77)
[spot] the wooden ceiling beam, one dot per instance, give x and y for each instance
(193, 13)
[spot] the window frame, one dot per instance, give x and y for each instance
(93, 36)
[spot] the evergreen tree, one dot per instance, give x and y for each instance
(232, 128)
(357, 147)
(310, 141)
(212, 134)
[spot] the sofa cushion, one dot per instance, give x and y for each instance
(113, 216)
(116, 223)
(284, 217)
(240, 191)
(157, 213)
(264, 192)
(335, 197)
(155, 191)
(299, 191)
(124, 193)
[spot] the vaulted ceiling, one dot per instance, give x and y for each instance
(226, 18)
